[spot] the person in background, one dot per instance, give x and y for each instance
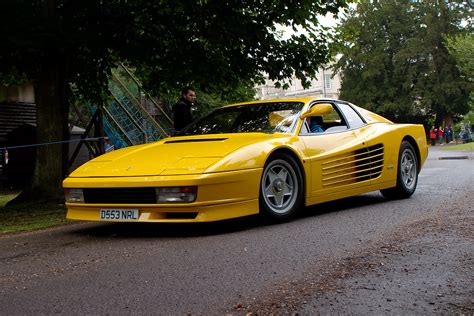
(448, 134)
(440, 135)
(433, 135)
(182, 115)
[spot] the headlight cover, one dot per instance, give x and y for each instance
(176, 194)
(74, 195)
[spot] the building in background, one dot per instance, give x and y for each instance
(326, 85)
(17, 128)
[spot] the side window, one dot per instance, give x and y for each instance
(353, 119)
(305, 128)
(324, 124)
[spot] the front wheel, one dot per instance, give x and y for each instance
(407, 174)
(281, 188)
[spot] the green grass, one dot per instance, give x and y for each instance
(31, 216)
(6, 197)
(468, 146)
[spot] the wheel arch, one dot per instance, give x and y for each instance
(413, 142)
(290, 152)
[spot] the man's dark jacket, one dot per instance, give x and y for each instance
(182, 115)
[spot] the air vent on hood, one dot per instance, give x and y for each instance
(195, 140)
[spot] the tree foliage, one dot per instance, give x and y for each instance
(208, 101)
(461, 48)
(210, 43)
(395, 60)
(68, 48)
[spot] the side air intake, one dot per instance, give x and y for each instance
(360, 165)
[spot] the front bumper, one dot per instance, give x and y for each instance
(220, 196)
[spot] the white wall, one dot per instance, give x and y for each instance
(317, 88)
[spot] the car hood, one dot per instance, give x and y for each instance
(170, 156)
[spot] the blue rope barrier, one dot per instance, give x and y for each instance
(54, 143)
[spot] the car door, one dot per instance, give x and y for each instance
(373, 158)
(331, 156)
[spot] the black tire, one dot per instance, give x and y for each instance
(281, 188)
(407, 174)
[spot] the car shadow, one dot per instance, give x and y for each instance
(169, 230)
(345, 204)
(190, 230)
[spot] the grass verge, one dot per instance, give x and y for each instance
(6, 197)
(468, 146)
(30, 216)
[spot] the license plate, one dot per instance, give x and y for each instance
(119, 215)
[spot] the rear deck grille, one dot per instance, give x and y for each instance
(360, 165)
(120, 195)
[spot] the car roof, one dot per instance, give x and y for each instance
(304, 100)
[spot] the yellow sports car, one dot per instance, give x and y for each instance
(269, 157)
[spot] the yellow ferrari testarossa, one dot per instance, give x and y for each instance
(269, 157)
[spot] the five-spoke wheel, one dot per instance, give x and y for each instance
(281, 188)
(407, 175)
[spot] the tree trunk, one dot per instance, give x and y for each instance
(448, 120)
(52, 109)
(439, 119)
(51, 121)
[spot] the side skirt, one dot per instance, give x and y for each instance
(351, 192)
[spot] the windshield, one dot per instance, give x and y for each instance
(278, 117)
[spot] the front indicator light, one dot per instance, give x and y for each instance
(74, 195)
(176, 194)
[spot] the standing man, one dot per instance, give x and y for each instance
(448, 134)
(433, 135)
(182, 115)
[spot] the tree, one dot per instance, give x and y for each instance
(395, 61)
(461, 48)
(67, 48)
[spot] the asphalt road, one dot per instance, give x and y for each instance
(236, 267)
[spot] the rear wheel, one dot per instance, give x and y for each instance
(407, 174)
(281, 188)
